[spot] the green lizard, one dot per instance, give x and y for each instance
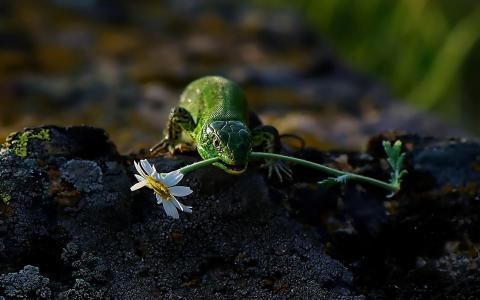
(213, 118)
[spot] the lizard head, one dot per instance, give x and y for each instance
(231, 141)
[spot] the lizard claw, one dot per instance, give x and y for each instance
(163, 147)
(279, 168)
(168, 146)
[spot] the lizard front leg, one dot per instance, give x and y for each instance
(266, 139)
(179, 121)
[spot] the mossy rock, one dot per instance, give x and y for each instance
(17, 142)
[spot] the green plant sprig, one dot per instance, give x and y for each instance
(395, 159)
(340, 176)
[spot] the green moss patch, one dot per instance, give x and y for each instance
(5, 198)
(18, 142)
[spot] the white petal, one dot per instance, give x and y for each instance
(180, 191)
(139, 169)
(181, 207)
(173, 178)
(177, 203)
(155, 174)
(138, 185)
(159, 199)
(139, 178)
(187, 209)
(147, 167)
(170, 209)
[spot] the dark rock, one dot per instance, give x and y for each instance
(73, 217)
(26, 284)
(421, 244)
(112, 243)
(84, 175)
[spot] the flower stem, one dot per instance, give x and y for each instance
(347, 176)
(198, 165)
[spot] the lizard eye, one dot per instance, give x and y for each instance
(216, 143)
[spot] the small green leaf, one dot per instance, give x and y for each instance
(328, 183)
(395, 159)
(332, 181)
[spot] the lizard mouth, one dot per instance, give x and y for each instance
(233, 169)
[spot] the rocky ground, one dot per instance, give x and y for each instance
(71, 229)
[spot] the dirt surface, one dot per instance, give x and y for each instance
(71, 229)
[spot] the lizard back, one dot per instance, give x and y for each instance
(214, 98)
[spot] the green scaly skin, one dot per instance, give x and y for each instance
(213, 117)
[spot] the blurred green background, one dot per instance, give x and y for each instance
(121, 65)
(427, 52)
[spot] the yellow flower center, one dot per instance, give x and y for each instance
(159, 188)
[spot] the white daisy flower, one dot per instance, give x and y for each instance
(164, 187)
